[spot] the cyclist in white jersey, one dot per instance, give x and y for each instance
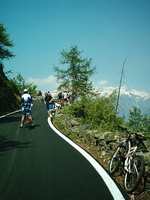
(26, 100)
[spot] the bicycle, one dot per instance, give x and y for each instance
(125, 156)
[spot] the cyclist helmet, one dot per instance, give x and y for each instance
(25, 90)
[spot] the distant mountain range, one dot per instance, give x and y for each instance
(129, 98)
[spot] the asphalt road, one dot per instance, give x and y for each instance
(38, 164)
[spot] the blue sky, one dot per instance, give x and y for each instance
(106, 30)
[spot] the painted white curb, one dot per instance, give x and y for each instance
(114, 190)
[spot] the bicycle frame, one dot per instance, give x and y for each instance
(129, 157)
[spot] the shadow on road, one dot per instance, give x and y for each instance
(6, 144)
(9, 119)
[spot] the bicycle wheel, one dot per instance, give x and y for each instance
(133, 179)
(116, 159)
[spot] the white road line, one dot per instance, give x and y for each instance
(116, 193)
(10, 113)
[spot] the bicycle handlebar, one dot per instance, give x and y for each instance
(124, 129)
(138, 135)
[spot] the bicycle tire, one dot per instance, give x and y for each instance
(116, 159)
(132, 180)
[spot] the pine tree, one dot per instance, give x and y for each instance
(76, 76)
(5, 43)
(135, 119)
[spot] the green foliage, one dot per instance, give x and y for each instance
(9, 92)
(135, 119)
(5, 43)
(99, 111)
(138, 122)
(59, 124)
(68, 110)
(146, 125)
(21, 84)
(76, 76)
(13, 88)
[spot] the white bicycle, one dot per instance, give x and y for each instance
(133, 165)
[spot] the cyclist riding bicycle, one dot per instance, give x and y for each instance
(26, 100)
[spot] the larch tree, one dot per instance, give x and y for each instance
(76, 74)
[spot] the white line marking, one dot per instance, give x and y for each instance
(116, 193)
(10, 113)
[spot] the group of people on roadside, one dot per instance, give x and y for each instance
(64, 98)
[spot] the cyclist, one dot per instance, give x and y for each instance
(26, 100)
(49, 103)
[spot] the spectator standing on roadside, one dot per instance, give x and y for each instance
(60, 98)
(69, 98)
(60, 95)
(65, 97)
(49, 105)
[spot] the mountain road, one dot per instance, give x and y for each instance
(43, 164)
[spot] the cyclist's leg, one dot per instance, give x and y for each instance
(22, 120)
(50, 110)
(22, 117)
(29, 117)
(30, 120)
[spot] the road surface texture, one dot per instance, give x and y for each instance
(42, 164)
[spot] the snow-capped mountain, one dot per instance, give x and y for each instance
(129, 98)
